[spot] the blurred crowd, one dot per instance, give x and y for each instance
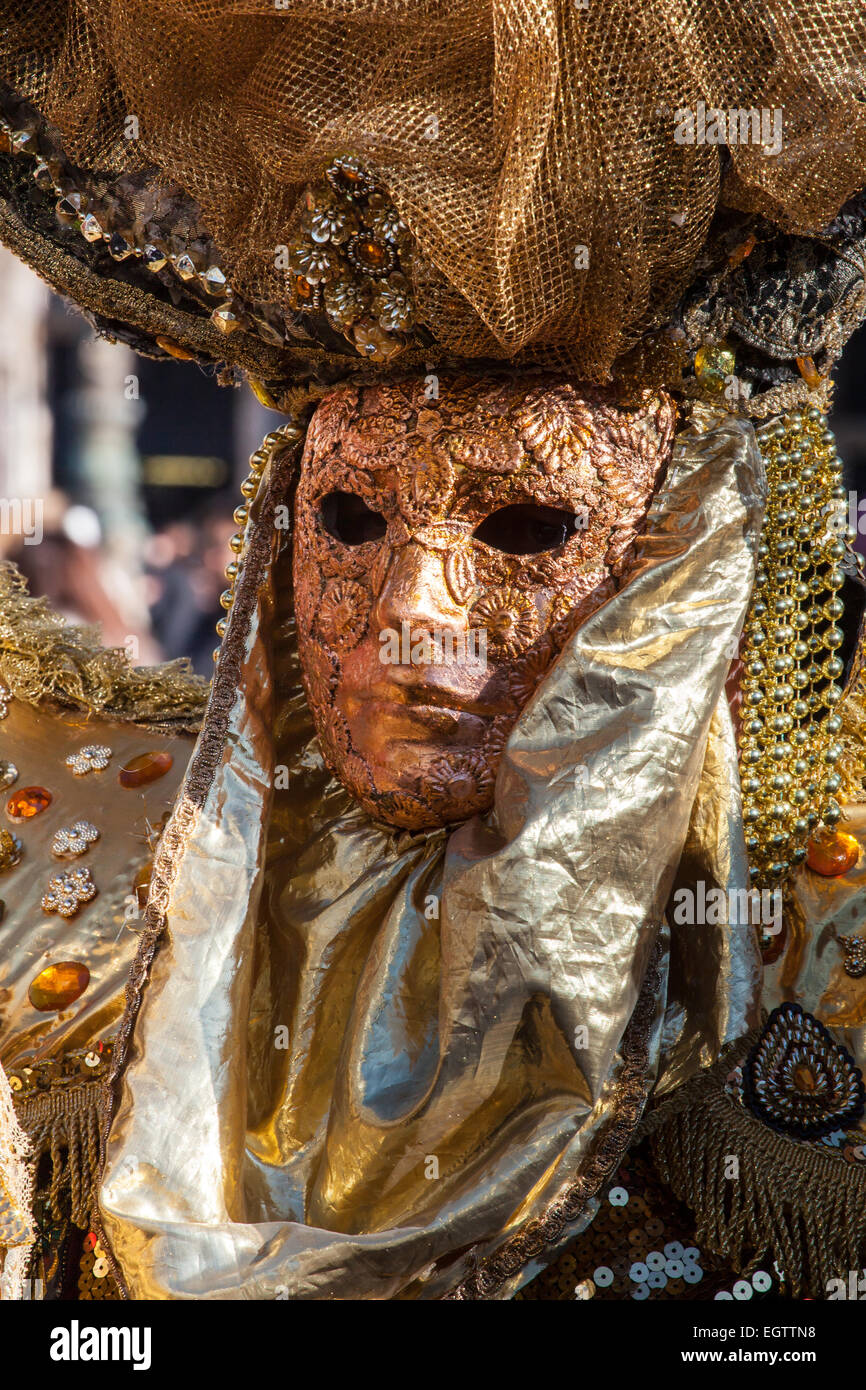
(160, 603)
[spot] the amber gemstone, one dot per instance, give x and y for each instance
(28, 802)
(832, 853)
(809, 372)
(713, 366)
(58, 985)
(804, 1078)
(147, 767)
(371, 252)
(303, 288)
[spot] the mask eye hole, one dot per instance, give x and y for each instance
(527, 529)
(347, 518)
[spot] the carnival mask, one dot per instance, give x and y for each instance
(445, 549)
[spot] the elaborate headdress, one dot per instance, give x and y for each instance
(293, 189)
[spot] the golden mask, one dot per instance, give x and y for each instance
(445, 550)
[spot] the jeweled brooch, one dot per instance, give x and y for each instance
(75, 839)
(92, 758)
(67, 893)
(799, 1080)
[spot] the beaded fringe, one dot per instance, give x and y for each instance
(795, 1203)
(64, 1124)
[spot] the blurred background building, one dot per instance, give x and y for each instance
(126, 471)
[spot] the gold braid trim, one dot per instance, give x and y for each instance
(793, 1202)
(199, 779)
(42, 657)
(852, 764)
(64, 1123)
(16, 1197)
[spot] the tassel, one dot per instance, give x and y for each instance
(65, 1124)
(793, 1202)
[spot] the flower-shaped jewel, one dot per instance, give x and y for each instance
(346, 301)
(92, 758)
(315, 263)
(393, 305)
(384, 219)
(67, 893)
(329, 222)
(373, 342)
(349, 179)
(73, 840)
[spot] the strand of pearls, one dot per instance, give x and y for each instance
(288, 435)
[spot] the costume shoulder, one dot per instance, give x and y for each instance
(92, 752)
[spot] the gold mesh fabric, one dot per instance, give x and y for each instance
(507, 132)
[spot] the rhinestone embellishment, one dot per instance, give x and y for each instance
(5, 697)
(92, 758)
(854, 963)
(67, 893)
(8, 773)
(73, 840)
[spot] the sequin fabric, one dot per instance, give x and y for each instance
(641, 1245)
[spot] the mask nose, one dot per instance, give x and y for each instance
(415, 592)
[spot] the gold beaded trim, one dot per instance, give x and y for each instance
(288, 435)
(791, 669)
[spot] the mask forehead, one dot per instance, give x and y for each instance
(477, 447)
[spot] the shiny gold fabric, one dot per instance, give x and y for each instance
(810, 970)
(715, 972)
(432, 1107)
(103, 935)
(509, 135)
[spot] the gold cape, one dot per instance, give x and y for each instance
(331, 1092)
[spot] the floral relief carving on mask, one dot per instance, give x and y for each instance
(342, 614)
(510, 619)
